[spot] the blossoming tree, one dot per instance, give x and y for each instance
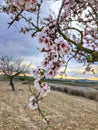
(72, 33)
(13, 68)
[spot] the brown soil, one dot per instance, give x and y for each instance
(65, 112)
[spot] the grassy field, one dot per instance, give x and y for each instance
(86, 91)
(65, 112)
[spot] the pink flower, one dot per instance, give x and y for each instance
(47, 47)
(55, 56)
(33, 106)
(64, 48)
(50, 65)
(50, 74)
(35, 74)
(54, 47)
(37, 84)
(33, 103)
(69, 49)
(25, 4)
(42, 37)
(58, 40)
(62, 62)
(45, 89)
(42, 49)
(21, 2)
(45, 64)
(28, 4)
(45, 29)
(47, 40)
(32, 98)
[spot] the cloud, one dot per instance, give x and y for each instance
(75, 70)
(55, 6)
(35, 61)
(77, 67)
(13, 43)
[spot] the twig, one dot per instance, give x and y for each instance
(15, 18)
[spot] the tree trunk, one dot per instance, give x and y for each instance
(12, 84)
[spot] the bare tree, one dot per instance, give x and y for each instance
(13, 67)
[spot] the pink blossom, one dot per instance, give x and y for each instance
(37, 84)
(50, 65)
(63, 46)
(45, 89)
(35, 73)
(58, 40)
(32, 98)
(55, 57)
(50, 74)
(45, 29)
(45, 64)
(40, 38)
(47, 40)
(42, 49)
(25, 4)
(69, 48)
(54, 47)
(33, 106)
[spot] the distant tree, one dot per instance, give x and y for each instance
(13, 67)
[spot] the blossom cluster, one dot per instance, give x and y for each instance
(54, 48)
(12, 6)
(91, 39)
(33, 103)
(85, 31)
(25, 4)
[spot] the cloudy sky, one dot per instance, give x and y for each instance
(13, 43)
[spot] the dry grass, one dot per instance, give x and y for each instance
(87, 92)
(66, 112)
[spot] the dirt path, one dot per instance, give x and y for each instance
(65, 112)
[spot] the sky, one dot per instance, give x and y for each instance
(13, 43)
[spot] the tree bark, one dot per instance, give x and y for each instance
(12, 84)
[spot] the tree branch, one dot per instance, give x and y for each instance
(15, 18)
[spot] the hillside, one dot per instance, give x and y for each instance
(65, 112)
